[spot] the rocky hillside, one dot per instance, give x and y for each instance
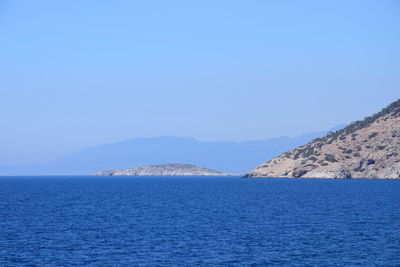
(164, 170)
(365, 149)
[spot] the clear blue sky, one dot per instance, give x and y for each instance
(79, 73)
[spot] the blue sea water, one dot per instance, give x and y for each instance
(198, 221)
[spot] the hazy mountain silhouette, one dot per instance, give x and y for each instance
(232, 157)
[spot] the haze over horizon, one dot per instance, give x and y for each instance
(81, 73)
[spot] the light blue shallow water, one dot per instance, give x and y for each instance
(197, 221)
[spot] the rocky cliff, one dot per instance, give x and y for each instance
(365, 149)
(164, 170)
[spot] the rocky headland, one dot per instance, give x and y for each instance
(164, 170)
(369, 148)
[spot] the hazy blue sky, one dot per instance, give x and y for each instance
(80, 73)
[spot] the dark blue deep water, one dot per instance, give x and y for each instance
(194, 221)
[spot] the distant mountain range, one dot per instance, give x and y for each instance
(224, 156)
(368, 148)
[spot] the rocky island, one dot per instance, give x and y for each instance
(369, 148)
(164, 170)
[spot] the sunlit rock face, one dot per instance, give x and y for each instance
(365, 149)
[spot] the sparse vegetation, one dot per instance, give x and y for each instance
(313, 159)
(348, 151)
(372, 135)
(393, 109)
(370, 162)
(304, 152)
(389, 155)
(330, 158)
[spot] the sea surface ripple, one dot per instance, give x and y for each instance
(198, 221)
